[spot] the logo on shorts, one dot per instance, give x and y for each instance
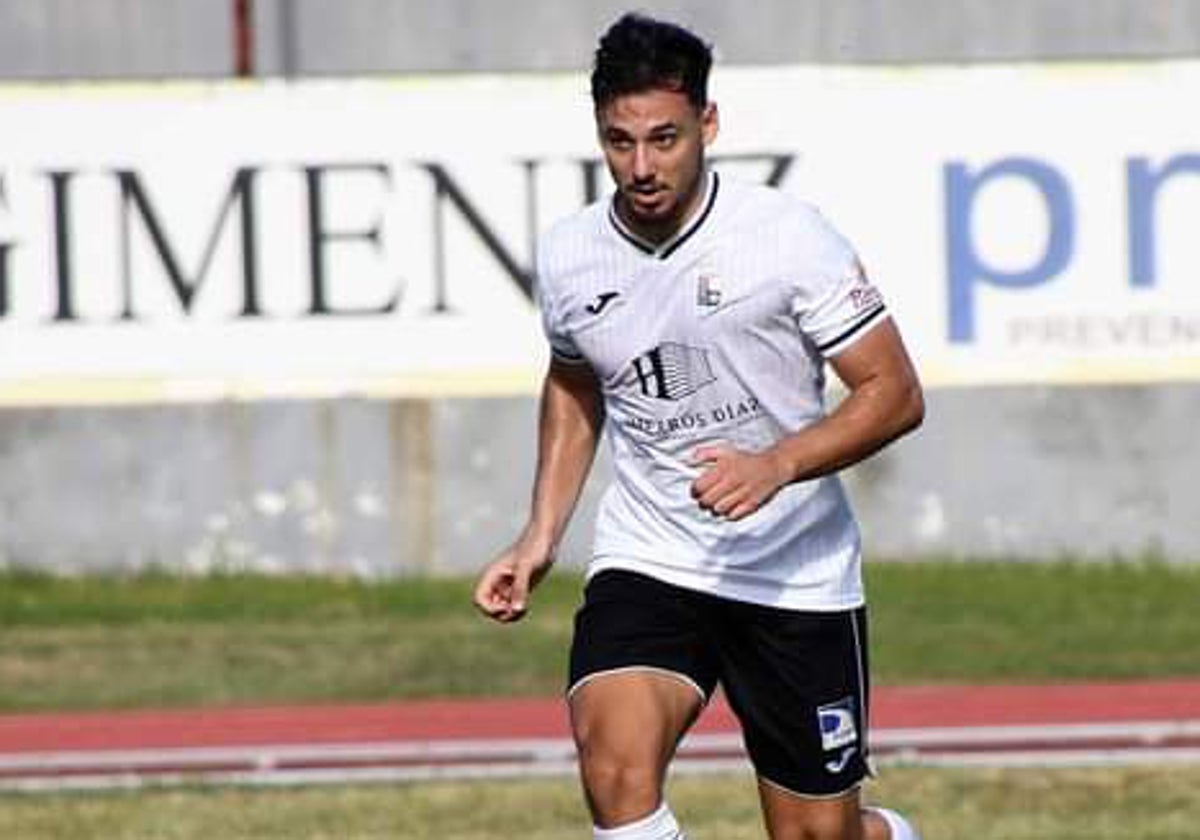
(836, 721)
(837, 765)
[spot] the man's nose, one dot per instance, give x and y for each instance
(643, 163)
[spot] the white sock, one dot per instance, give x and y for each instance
(900, 828)
(660, 825)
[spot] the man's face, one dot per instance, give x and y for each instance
(654, 144)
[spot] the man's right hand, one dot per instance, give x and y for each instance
(502, 592)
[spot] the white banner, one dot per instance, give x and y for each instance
(183, 241)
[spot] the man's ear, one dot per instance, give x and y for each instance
(710, 123)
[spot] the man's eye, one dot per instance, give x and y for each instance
(620, 142)
(665, 141)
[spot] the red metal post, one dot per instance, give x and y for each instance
(243, 38)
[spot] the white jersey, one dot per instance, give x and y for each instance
(718, 335)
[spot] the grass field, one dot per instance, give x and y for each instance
(177, 641)
(160, 640)
(1072, 804)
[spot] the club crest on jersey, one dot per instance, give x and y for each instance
(708, 291)
(836, 722)
(673, 371)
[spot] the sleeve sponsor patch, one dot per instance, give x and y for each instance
(854, 307)
(863, 296)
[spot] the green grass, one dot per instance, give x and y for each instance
(158, 641)
(163, 640)
(1127, 803)
(996, 622)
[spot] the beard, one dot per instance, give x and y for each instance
(654, 204)
(658, 209)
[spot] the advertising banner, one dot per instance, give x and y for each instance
(178, 241)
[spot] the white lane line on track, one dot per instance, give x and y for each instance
(345, 776)
(280, 755)
(1050, 758)
(1148, 732)
(293, 764)
(550, 749)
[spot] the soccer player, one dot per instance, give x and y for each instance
(690, 319)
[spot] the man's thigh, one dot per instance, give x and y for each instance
(642, 669)
(627, 725)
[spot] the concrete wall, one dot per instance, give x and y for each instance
(1040, 472)
(389, 35)
(386, 488)
(155, 38)
(63, 39)
(377, 488)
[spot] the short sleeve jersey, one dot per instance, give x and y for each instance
(718, 335)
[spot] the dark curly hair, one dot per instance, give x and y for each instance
(639, 53)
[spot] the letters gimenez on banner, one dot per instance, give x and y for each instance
(213, 240)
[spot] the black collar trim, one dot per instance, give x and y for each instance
(669, 247)
(626, 234)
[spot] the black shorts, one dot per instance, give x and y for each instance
(797, 680)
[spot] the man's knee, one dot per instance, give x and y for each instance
(626, 727)
(816, 829)
(792, 817)
(620, 785)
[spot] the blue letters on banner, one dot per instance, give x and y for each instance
(963, 263)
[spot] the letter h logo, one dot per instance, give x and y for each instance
(673, 371)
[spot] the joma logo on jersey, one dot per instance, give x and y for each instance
(673, 371)
(602, 300)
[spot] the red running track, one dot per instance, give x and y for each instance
(911, 707)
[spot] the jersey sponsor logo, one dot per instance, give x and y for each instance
(690, 423)
(673, 371)
(602, 300)
(708, 291)
(836, 722)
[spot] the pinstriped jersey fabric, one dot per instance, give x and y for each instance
(718, 335)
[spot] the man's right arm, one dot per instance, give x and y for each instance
(571, 415)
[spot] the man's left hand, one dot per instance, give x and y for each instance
(734, 484)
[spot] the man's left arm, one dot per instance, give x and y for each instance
(883, 403)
